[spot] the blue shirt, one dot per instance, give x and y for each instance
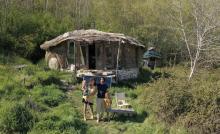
(102, 89)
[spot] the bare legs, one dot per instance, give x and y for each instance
(85, 109)
(91, 110)
(108, 118)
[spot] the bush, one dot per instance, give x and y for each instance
(62, 119)
(48, 95)
(12, 91)
(173, 101)
(15, 118)
(39, 75)
(192, 104)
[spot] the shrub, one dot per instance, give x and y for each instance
(12, 91)
(48, 95)
(51, 80)
(15, 118)
(62, 119)
(192, 104)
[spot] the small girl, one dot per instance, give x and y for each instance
(88, 93)
(85, 90)
(107, 104)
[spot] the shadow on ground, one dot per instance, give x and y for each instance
(138, 118)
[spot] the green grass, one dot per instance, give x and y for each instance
(164, 100)
(12, 59)
(15, 118)
(37, 91)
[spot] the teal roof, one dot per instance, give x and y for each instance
(151, 54)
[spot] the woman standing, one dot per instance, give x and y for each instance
(88, 96)
(101, 91)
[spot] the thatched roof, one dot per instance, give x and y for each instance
(90, 36)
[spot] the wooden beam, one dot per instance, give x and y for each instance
(103, 56)
(87, 56)
(75, 70)
(78, 54)
(82, 59)
(96, 55)
(119, 45)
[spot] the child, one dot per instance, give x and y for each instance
(88, 93)
(85, 90)
(107, 103)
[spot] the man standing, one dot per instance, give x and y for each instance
(102, 88)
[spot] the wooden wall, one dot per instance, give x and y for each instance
(106, 55)
(129, 57)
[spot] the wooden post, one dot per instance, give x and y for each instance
(104, 57)
(75, 70)
(79, 55)
(119, 45)
(87, 56)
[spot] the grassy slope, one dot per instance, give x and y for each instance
(138, 124)
(58, 111)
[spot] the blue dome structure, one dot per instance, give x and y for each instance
(151, 54)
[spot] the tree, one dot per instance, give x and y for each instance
(199, 25)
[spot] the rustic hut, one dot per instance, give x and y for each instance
(93, 52)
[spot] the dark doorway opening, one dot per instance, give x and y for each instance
(92, 58)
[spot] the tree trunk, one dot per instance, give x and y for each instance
(56, 8)
(5, 15)
(194, 64)
(46, 5)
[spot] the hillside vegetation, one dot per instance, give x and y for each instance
(36, 100)
(26, 24)
(33, 101)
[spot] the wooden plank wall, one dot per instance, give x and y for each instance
(106, 55)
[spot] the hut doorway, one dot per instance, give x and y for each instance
(70, 53)
(92, 57)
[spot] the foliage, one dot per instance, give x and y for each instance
(13, 92)
(164, 100)
(178, 101)
(38, 98)
(48, 95)
(62, 119)
(25, 25)
(26, 31)
(15, 118)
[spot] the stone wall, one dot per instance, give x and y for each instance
(128, 74)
